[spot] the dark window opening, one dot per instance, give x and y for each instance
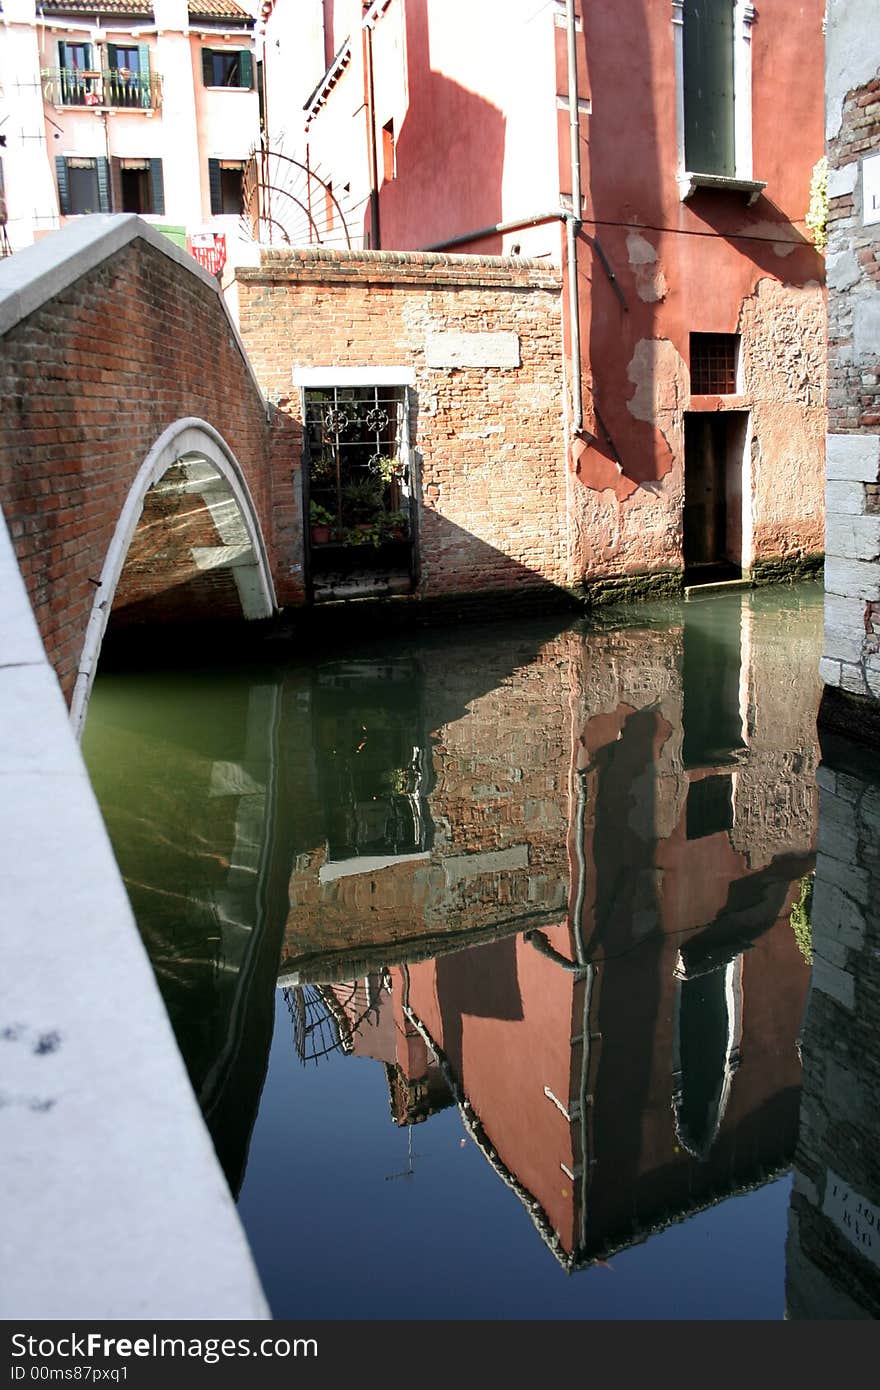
(714, 359)
(709, 807)
(227, 188)
(389, 159)
(136, 191)
(708, 87)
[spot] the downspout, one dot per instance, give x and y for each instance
(370, 102)
(573, 224)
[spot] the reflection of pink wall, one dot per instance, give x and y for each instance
(507, 1064)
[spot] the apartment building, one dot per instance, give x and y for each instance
(126, 106)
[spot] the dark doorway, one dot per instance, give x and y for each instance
(714, 447)
(358, 492)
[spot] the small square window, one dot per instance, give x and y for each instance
(714, 360)
(709, 807)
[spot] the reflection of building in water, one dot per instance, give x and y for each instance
(833, 1253)
(623, 1044)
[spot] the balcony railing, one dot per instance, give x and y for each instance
(112, 87)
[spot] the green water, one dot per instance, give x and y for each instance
(477, 947)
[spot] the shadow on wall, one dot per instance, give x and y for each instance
(458, 188)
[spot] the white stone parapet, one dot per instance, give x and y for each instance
(115, 1206)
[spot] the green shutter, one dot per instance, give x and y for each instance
(62, 54)
(144, 74)
(246, 69)
(215, 187)
(112, 60)
(708, 87)
(208, 67)
(103, 167)
(63, 185)
(157, 187)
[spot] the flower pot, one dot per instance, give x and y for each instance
(320, 534)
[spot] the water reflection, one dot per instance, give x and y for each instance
(543, 879)
(833, 1255)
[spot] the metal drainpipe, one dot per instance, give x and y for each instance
(573, 223)
(370, 97)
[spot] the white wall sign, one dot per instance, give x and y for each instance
(871, 189)
(855, 1216)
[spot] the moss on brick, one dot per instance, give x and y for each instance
(787, 569)
(629, 588)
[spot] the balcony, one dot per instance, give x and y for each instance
(110, 89)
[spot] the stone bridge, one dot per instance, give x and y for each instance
(136, 446)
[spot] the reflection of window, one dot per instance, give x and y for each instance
(222, 67)
(706, 1053)
(225, 179)
(709, 807)
(83, 185)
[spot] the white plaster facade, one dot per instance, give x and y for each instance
(168, 115)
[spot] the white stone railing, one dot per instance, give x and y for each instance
(115, 1204)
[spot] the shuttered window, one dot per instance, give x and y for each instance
(138, 186)
(224, 180)
(223, 67)
(709, 87)
(83, 185)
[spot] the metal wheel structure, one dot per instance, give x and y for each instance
(287, 203)
(326, 1018)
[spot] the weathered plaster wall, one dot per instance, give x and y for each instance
(851, 661)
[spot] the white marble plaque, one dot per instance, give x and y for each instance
(871, 189)
(853, 1215)
(472, 350)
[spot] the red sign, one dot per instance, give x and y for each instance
(209, 249)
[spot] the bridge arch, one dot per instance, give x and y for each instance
(198, 446)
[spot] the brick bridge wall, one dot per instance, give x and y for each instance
(90, 379)
(489, 439)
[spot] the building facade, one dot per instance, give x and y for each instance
(851, 663)
(127, 106)
(662, 155)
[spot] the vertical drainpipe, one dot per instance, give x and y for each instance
(573, 223)
(369, 98)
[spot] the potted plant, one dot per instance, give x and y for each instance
(322, 523)
(388, 467)
(396, 526)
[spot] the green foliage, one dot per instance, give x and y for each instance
(801, 919)
(817, 214)
(319, 516)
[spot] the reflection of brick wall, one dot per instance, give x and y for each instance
(500, 788)
(89, 381)
(488, 439)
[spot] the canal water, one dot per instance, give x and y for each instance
(488, 952)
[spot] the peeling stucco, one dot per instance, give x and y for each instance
(651, 284)
(658, 373)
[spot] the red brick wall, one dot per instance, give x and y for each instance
(489, 440)
(90, 380)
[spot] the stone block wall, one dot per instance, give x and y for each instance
(851, 661)
(483, 336)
